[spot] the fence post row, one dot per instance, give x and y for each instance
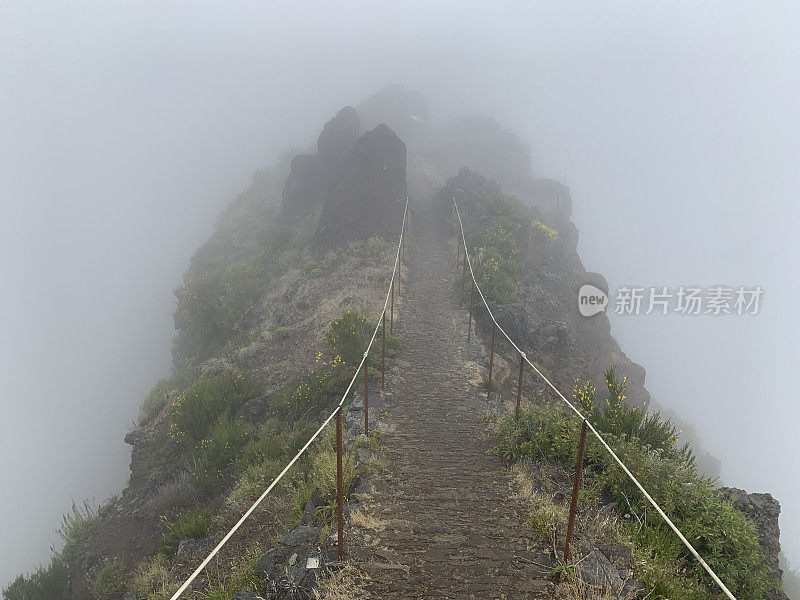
(573, 506)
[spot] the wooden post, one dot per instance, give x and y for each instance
(339, 484)
(366, 396)
(576, 488)
(383, 351)
(519, 385)
(471, 302)
(491, 364)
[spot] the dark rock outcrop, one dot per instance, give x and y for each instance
(764, 511)
(402, 109)
(311, 174)
(367, 199)
(337, 138)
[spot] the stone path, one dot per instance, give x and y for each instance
(453, 528)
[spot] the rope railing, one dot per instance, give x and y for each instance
(337, 413)
(585, 421)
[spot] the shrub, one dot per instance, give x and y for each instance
(348, 336)
(300, 395)
(501, 206)
(316, 272)
(310, 266)
(263, 459)
(191, 525)
(52, 583)
(213, 308)
(540, 231)
(215, 453)
(617, 417)
(496, 275)
(495, 250)
(155, 400)
(330, 258)
(109, 581)
(76, 527)
(721, 534)
(206, 400)
(281, 333)
(373, 249)
(151, 579)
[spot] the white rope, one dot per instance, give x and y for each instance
(266, 492)
(669, 522)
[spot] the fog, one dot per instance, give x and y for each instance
(126, 126)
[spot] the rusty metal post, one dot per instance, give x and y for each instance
(519, 385)
(471, 302)
(573, 506)
(339, 484)
(491, 364)
(464, 271)
(383, 350)
(366, 396)
(391, 318)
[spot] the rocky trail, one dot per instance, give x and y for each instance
(451, 526)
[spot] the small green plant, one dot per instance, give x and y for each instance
(206, 400)
(215, 453)
(349, 335)
(76, 527)
(110, 580)
(190, 525)
(155, 400)
(213, 308)
(281, 333)
(545, 517)
(485, 384)
(329, 259)
(373, 249)
(563, 570)
(310, 266)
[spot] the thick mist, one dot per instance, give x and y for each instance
(125, 127)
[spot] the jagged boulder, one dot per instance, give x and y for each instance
(764, 511)
(402, 109)
(311, 174)
(337, 138)
(367, 199)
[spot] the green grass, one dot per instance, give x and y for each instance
(724, 536)
(54, 582)
(189, 525)
(110, 580)
(208, 398)
(155, 400)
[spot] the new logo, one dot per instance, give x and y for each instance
(591, 300)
